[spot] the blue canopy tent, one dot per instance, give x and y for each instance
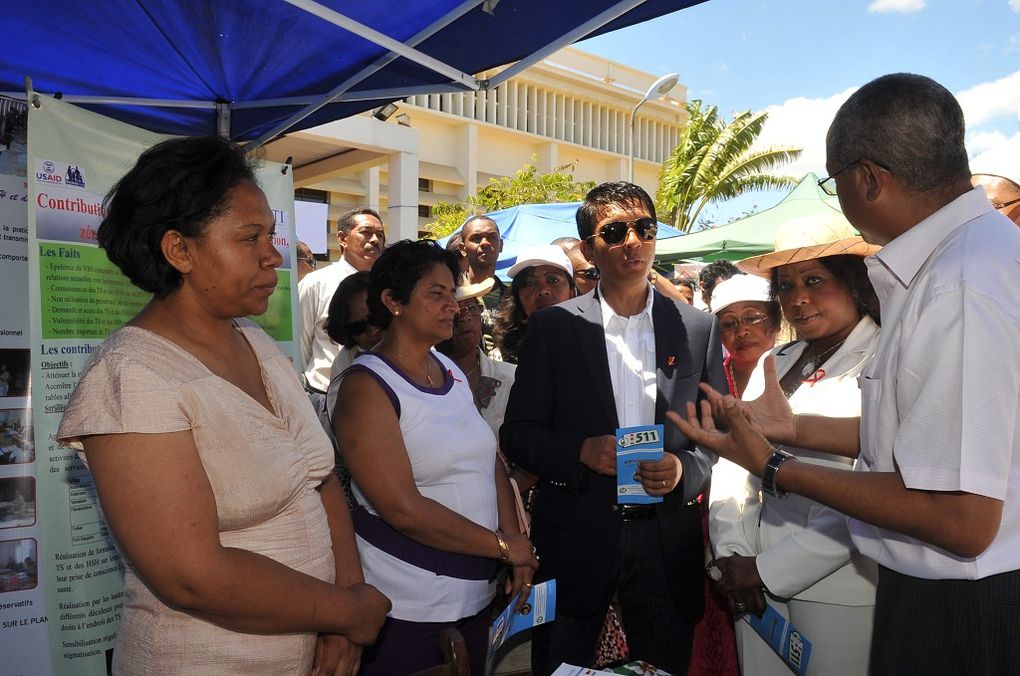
(531, 224)
(254, 69)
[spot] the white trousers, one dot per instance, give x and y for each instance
(840, 640)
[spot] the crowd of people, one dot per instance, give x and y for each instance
(840, 427)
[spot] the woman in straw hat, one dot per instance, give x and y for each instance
(793, 553)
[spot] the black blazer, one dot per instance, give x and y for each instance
(562, 394)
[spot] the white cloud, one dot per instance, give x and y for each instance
(1002, 159)
(1014, 5)
(803, 122)
(990, 100)
(902, 6)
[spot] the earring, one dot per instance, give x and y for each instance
(396, 313)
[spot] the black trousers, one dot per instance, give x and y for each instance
(951, 627)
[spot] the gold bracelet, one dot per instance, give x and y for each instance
(504, 548)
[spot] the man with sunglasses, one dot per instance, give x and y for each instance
(1002, 192)
(619, 356)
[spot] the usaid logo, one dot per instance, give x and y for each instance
(59, 173)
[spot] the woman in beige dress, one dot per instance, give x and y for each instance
(212, 470)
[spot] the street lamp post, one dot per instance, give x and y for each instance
(659, 88)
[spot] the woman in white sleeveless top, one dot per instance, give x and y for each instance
(434, 511)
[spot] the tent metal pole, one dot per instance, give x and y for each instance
(360, 95)
(223, 119)
(126, 101)
(596, 22)
(385, 41)
(377, 65)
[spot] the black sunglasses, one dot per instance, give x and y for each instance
(616, 232)
(590, 274)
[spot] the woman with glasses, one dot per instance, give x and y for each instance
(542, 276)
(748, 325)
(792, 553)
(434, 513)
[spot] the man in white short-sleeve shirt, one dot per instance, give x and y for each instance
(361, 236)
(935, 496)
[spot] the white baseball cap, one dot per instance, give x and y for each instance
(544, 254)
(739, 289)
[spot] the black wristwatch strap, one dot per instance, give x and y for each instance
(768, 477)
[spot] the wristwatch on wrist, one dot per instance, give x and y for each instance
(772, 465)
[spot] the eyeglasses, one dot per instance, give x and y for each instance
(590, 274)
(357, 328)
(616, 232)
(1003, 205)
(731, 325)
(472, 309)
(828, 184)
(552, 279)
(310, 261)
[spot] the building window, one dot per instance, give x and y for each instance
(425, 184)
(424, 211)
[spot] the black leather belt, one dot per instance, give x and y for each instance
(637, 512)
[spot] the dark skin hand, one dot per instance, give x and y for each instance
(741, 584)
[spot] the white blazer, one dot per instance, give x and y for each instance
(803, 548)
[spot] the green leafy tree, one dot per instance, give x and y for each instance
(714, 161)
(527, 186)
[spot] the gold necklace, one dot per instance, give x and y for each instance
(428, 367)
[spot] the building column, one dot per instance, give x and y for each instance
(467, 160)
(402, 193)
(548, 157)
(370, 181)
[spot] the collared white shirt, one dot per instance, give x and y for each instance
(630, 347)
(941, 400)
(318, 350)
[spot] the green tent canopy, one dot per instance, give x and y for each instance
(754, 234)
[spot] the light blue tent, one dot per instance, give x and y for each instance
(531, 224)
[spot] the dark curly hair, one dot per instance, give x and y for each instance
(616, 193)
(399, 269)
(509, 320)
(182, 184)
(339, 311)
(852, 274)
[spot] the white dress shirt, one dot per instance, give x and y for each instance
(630, 347)
(941, 400)
(318, 350)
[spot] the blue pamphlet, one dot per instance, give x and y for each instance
(634, 444)
(540, 608)
(789, 643)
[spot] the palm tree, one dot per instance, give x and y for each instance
(714, 161)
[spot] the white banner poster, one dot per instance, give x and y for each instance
(23, 625)
(76, 299)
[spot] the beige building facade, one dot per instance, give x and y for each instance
(573, 107)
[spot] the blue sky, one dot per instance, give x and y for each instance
(800, 60)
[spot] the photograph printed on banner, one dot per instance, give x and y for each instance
(19, 565)
(13, 137)
(17, 502)
(16, 441)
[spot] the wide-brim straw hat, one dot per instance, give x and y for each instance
(466, 291)
(807, 238)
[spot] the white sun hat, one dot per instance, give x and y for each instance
(544, 254)
(739, 289)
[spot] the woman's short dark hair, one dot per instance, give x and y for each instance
(339, 308)
(850, 272)
(509, 320)
(399, 269)
(616, 193)
(181, 184)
